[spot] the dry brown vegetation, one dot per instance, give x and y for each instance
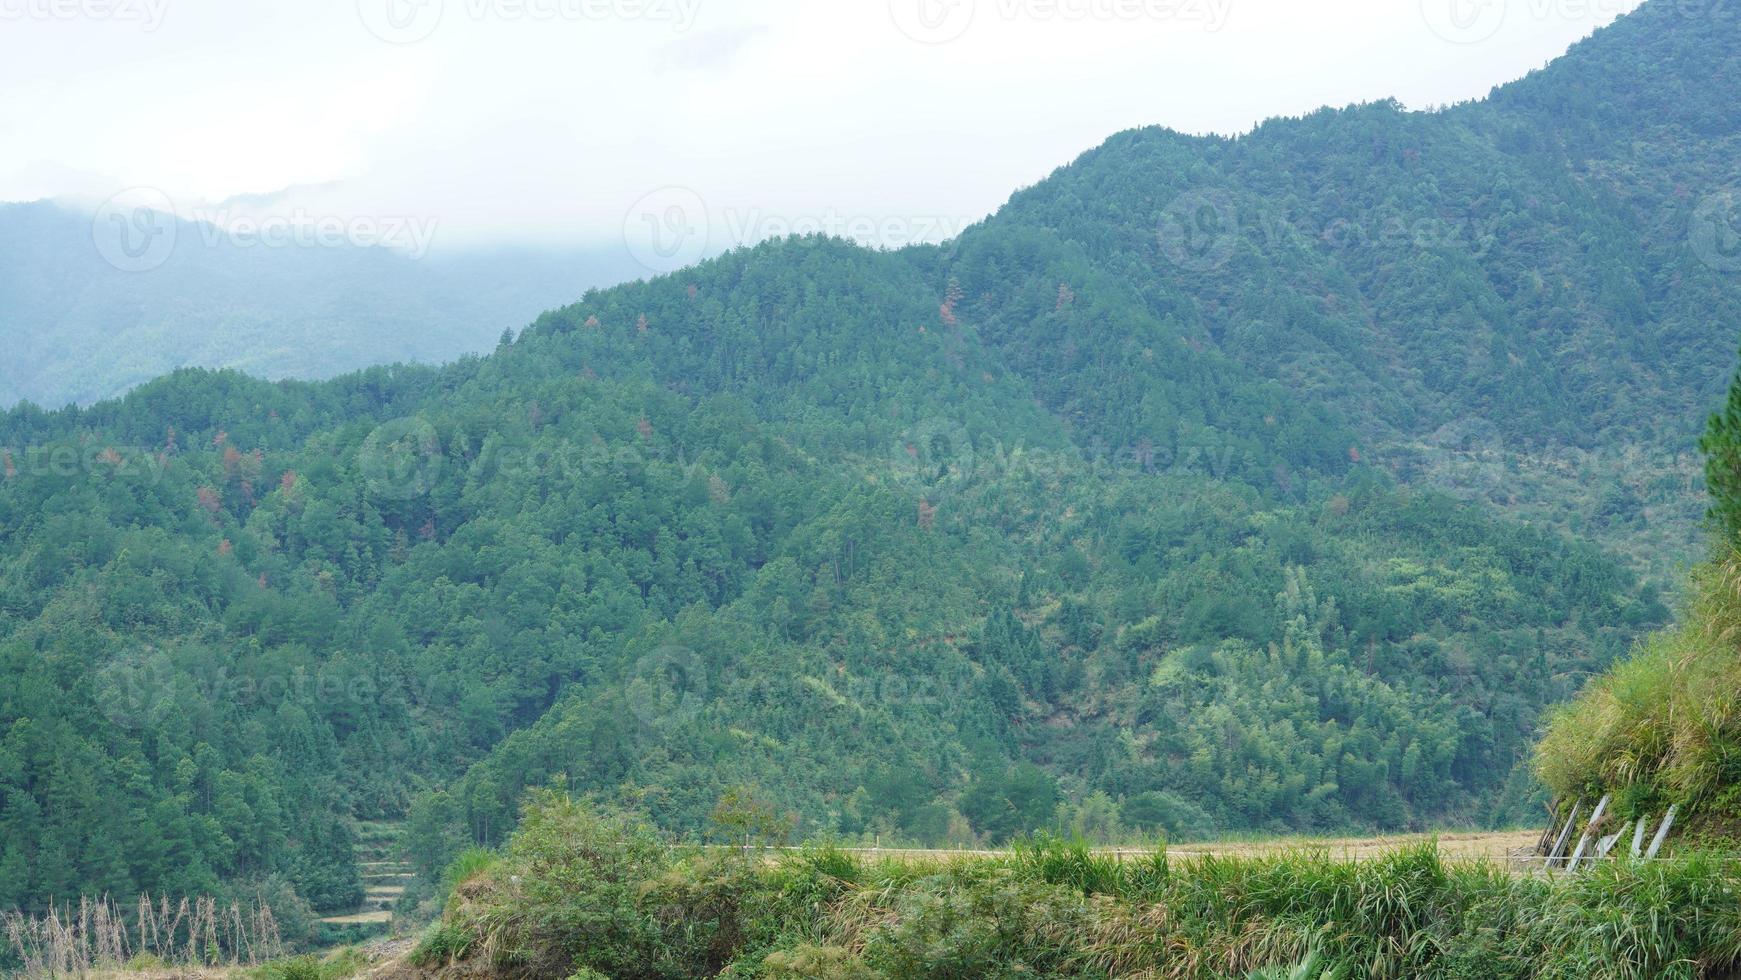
(184, 937)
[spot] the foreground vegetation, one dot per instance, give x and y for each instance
(1664, 727)
(584, 893)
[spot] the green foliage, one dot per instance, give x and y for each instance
(1310, 969)
(741, 816)
(465, 866)
(340, 964)
(663, 596)
(1722, 448)
(580, 872)
(441, 945)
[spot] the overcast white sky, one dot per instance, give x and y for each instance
(525, 120)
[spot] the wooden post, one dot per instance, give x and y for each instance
(1565, 835)
(1607, 844)
(1668, 822)
(1638, 837)
(1584, 841)
(1547, 838)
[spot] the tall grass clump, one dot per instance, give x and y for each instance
(98, 934)
(1073, 863)
(465, 866)
(1664, 726)
(341, 964)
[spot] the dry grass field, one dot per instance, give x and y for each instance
(1495, 847)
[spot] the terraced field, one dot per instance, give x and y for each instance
(385, 877)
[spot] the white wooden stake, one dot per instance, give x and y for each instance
(1662, 832)
(1584, 841)
(1606, 844)
(1565, 835)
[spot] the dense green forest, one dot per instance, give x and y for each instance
(1067, 524)
(80, 328)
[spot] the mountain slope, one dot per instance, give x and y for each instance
(1118, 514)
(1493, 295)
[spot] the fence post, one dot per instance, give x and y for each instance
(1668, 821)
(1565, 835)
(1584, 841)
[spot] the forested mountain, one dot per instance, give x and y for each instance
(1121, 512)
(1495, 297)
(79, 328)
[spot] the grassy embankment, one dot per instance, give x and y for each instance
(584, 894)
(1664, 727)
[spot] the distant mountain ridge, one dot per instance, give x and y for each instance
(78, 329)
